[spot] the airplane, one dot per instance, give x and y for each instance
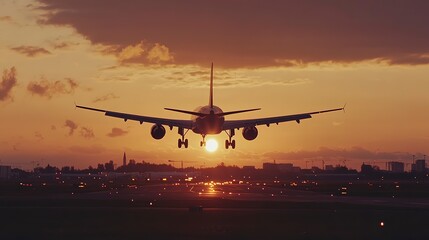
(208, 120)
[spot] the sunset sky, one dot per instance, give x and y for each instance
(285, 57)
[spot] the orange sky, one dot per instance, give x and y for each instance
(285, 57)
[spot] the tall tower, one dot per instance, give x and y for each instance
(124, 159)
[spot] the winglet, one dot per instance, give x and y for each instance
(211, 88)
(344, 107)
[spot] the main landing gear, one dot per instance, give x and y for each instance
(203, 142)
(182, 141)
(230, 142)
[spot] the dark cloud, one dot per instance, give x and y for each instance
(86, 132)
(71, 125)
(31, 51)
(39, 136)
(106, 97)
(5, 19)
(83, 131)
(7, 83)
(244, 33)
(117, 132)
(64, 45)
(45, 88)
(355, 153)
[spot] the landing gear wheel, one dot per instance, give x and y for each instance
(182, 140)
(229, 142)
(203, 142)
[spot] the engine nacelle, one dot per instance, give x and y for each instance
(157, 131)
(250, 133)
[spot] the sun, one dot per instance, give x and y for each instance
(211, 145)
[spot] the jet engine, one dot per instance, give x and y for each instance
(250, 133)
(157, 131)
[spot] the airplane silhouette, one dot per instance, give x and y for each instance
(209, 120)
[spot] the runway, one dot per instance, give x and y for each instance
(254, 210)
(254, 192)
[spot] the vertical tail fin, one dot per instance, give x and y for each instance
(211, 88)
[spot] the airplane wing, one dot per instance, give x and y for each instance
(235, 124)
(185, 124)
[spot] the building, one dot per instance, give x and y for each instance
(329, 168)
(397, 167)
(285, 167)
(367, 169)
(124, 159)
(282, 167)
(5, 172)
(419, 166)
(249, 168)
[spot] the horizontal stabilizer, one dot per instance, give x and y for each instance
(238, 111)
(187, 112)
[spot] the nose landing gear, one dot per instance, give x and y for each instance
(203, 142)
(183, 142)
(229, 143)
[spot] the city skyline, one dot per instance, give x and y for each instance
(290, 59)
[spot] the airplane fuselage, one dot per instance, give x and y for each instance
(209, 124)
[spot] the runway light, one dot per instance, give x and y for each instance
(211, 145)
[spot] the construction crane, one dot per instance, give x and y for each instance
(181, 162)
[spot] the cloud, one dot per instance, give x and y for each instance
(229, 83)
(45, 88)
(149, 53)
(64, 45)
(83, 131)
(106, 97)
(117, 132)
(71, 125)
(39, 136)
(256, 33)
(159, 53)
(31, 51)
(6, 19)
(197, 77)
(131, 52)
(86, 132)
(7, 83)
